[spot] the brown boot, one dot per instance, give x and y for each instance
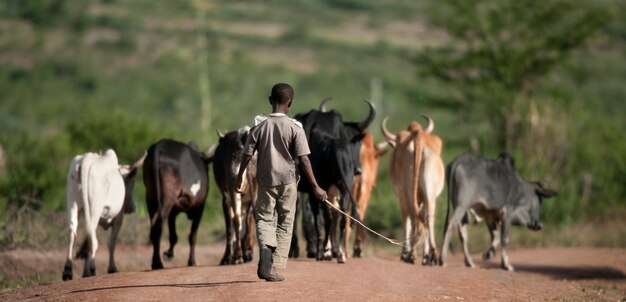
(274, 276)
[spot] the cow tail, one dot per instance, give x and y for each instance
(416, 179)
(156, 179)
(344, 178)
(83, 251)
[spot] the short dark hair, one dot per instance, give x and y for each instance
(281, 93)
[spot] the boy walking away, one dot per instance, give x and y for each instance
(279, 141)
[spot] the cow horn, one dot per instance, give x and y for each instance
(323, 104)
(390, 138)
(209, 153)
(431, 124)
(382, 147)
(370, 117)
(220, 134)
(139, 162)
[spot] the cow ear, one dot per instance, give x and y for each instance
(544, 192)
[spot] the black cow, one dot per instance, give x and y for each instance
(335, 148)
(493, 190)
(237, 207)
(176, 180)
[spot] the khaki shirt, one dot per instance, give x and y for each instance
(279, 141)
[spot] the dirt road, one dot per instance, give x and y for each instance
(556, 274)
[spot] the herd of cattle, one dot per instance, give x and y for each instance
(344, 158)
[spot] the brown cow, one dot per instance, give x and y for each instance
(364, 183)
(176, 180)
(418, 177)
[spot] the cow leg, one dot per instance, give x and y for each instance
(447, 236)
(359, 231)
(463, 237)
(408, 240)
(504, 238)
(238, 227)
(430, 246)
(171, 224)
(92, 224)
(309, 229)
(247, 242)
(426, 249)
(344, 229)
(155, 236)
(294, 249)
(327, 242)
(117, 225)
(416, 234)
(73, 226)
(332, 244)
(192, 237)
(495, 238)
(226, 259)
(317, 240)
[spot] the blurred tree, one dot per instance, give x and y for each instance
(499, 50)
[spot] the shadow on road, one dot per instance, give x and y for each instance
(190, 285)
(573, 273)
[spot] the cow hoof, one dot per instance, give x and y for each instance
(67, 271)
(356, 253)
(112, 270)
(294, 252)
(327, 255)
(470, 264)
(157, 265)
(429, 260)
(247, 256)
(191, 263)
(239, 261)
(169, 255)
(224, 261)
(311, 255)
(408, 258)
(508, 267)
(488, 254)
(341, 258)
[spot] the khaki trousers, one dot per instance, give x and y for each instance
(274, 213)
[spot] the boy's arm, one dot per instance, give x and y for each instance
(244, 163)
(305, 164)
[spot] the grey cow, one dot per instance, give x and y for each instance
(493, 190)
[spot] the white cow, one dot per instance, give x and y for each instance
(102, 189)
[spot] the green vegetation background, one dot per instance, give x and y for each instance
(545, 81)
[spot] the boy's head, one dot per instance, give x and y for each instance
(282, 94)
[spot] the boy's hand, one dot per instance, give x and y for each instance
(320, 193)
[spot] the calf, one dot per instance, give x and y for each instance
(101, 188)
(237, 206)
(176, 180)
(334, 158)
(417, 176)
(493, 190)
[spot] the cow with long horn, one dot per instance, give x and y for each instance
(417, 178)
(335, 149)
